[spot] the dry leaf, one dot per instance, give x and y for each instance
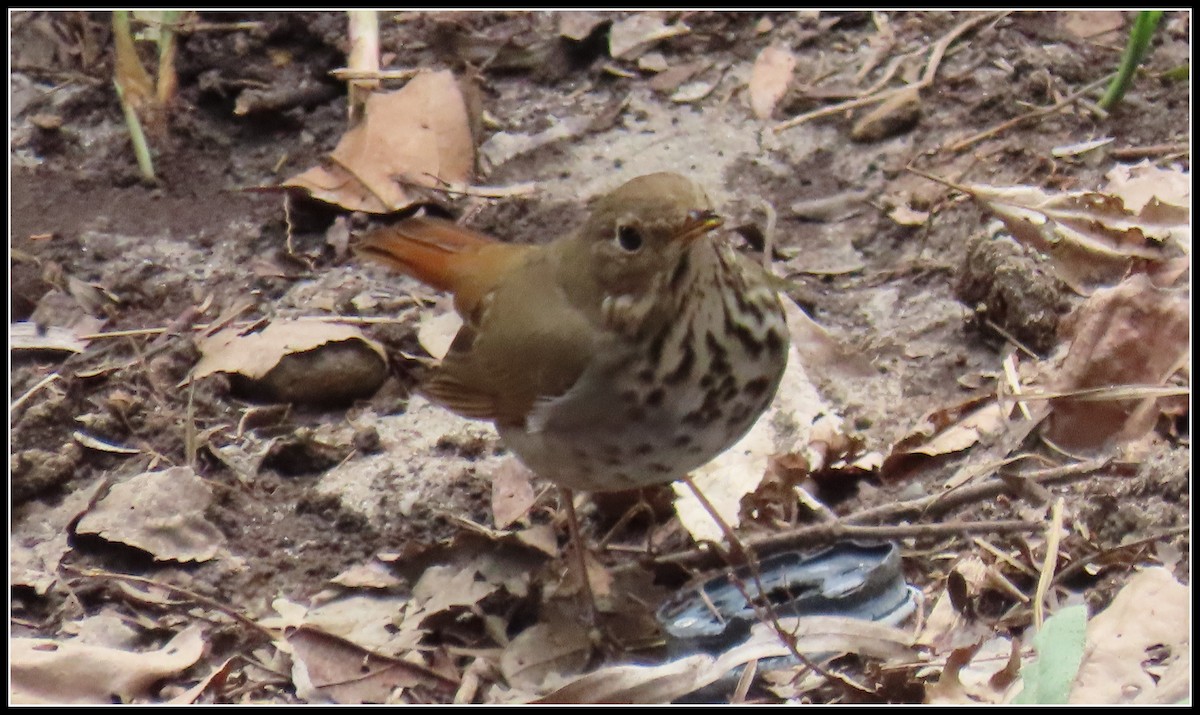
(633, 35)
(579, 26)
(1078, 148)
(158, 512)
(947, 629)
(1132, 334)
(512, 493)
(769, 79)
(1092, 237)
(558, 647)
(369, 575)
(416, 138)
(326, 668)
(377, 622)
(305, 361)
(437, 331)
(653, 62)
(670, 80)
(1139, 645)
(693, 92)
(442, 588)
(66, 672)
(948, 430)
(905, 215)
(1096, 25)
(637, 684)
(38, 540)
(1166, 193)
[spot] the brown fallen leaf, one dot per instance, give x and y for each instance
(40, 534)
(1092, 237)
(305, 361)
(1138, 649)
(1131, 334)
(1095, 25)
(947, 430)
(161, 513)
(671, 79)
(558, 647)
(411, 141)
(512, 493)
(635, 34)
(326, 668)
(46, 671)
(769, 79)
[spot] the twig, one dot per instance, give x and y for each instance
(927, 77)
(487, 192)
(1145, 152)
(364, 58)
(827, 533)
(1039, 112)
(29, 393)
(1049, 563)
(346, 74)
(203, 600)
(1081, 563)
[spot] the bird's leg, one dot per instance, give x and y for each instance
(580, 556)
(739, 552)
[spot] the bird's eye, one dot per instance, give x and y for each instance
(629, 238)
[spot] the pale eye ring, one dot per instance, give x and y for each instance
(629, 238)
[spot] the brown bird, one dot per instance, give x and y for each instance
(622, 355)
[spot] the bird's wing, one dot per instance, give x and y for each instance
(528, 346)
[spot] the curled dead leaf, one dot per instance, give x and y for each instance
(161, 513)
(1094, 238)
(414, 140)
(635, 34)
(304, 361)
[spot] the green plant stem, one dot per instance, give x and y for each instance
(140, 148)
(1135, 51)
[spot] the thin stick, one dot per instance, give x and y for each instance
(346, 74)
(1145, 152)
(29, 393)
(1039, 112)
(203, 600)
(926, 507)
(568, 501)
(927, 77)
(1053, 535)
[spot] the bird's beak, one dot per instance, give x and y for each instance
(697, 224)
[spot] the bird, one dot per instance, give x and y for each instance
(619, 355)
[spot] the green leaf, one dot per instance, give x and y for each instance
(1059, 647)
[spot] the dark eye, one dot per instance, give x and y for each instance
(629, 238)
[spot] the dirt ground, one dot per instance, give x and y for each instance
(303, 494)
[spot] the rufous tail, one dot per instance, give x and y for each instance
(443, 255)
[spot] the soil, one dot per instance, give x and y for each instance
(330, 488)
